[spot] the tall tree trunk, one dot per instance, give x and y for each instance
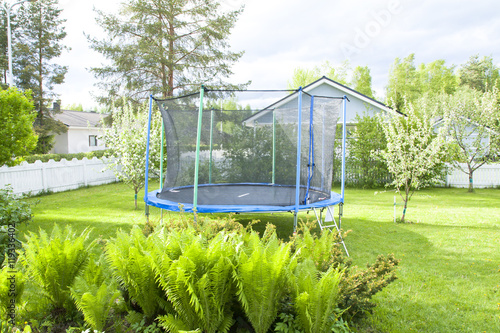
(170, 74)
(407, 194)
(471, 183)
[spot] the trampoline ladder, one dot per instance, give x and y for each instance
(332, 224)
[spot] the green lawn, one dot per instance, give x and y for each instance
(449, 275)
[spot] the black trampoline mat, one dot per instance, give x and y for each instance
(240, 194)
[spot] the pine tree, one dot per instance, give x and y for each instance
(164, 46)
(39, 38)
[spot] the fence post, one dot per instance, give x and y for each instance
(85, 179)
(44, 177)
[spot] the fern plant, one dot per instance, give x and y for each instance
(130, 258)
(11, 290)
(317, 296)
(53, 263)
(94, 295)
(325, 250)
(261, 276)
(199, 285)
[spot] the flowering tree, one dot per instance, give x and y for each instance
(415, 152)
(127, 140)
(473, 126)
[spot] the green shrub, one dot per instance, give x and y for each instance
(367, 171)
(262, 274)
(12, 285)
(95, 293)
(53, 263)
(131, 261)
(359, 286)
(57, 157)
(325, 251)
(316, 296)
(13, 211)
(199, 284)
(187, 276)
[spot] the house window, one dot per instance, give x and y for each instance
(93, 140)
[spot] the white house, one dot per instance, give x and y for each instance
(359, 104)
(84, 128)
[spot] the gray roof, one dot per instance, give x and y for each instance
(80, 118)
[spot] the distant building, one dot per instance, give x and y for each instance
(84, 129)
(359, 104)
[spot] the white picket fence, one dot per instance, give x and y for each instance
(67, 175)
(56, 176)
(487, 175)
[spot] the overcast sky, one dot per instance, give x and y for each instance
(280, 35)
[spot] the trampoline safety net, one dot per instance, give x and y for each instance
(249, 146)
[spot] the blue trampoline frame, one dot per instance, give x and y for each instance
(151, 199)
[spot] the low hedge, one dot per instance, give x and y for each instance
(69, 157)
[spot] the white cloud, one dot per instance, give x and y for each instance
(278, 36)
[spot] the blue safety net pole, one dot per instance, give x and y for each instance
(323, 149)
(297, 174)
(344, 134)
(146, 180)
(310, 163)
(162, 139)
(197, 161)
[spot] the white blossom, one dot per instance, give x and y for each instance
(127, 140)
(415, 149)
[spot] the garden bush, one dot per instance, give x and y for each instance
(208, 276)
(14, 211)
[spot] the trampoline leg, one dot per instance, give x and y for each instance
(295, 217)
(341, 212)
(147, 213)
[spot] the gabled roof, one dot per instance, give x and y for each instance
(324, 80)
(349, 91)
(80, 119)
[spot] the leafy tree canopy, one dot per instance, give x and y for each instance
(409, 82)
(303, 76)
(17, 138)
(480, 74)
(362, 81)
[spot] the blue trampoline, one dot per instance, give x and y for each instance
(249, 151)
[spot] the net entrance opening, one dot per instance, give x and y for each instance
(252, 144)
